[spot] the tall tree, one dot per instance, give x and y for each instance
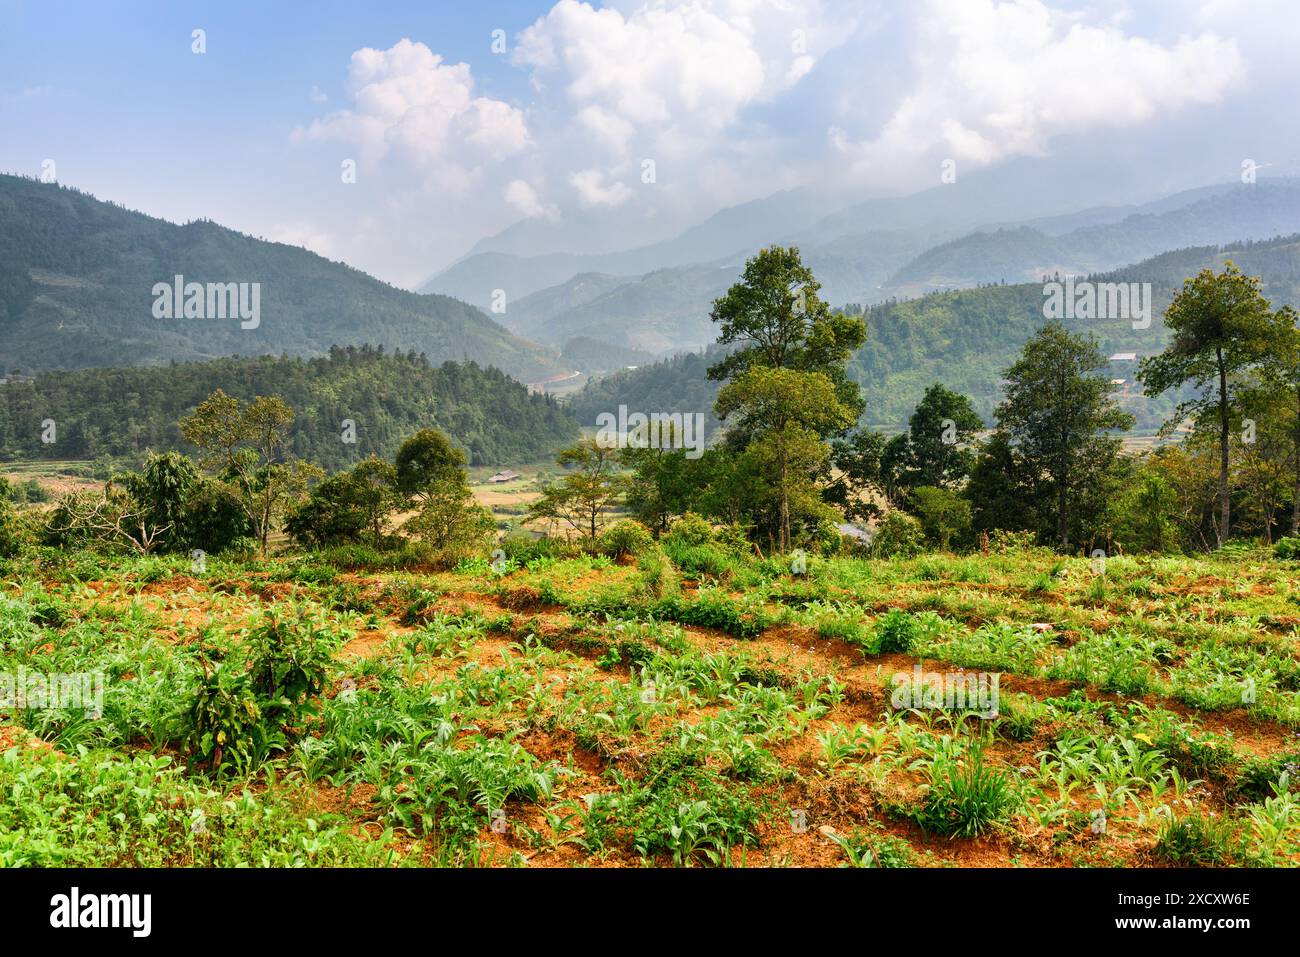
(1057, 411)
(1222, 327)
(938, 439)
(786, 386)
(1280, 379)
(786, 413)
(776, 316)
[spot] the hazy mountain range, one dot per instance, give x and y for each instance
(78, 275)
(966, 338)
(657, 298)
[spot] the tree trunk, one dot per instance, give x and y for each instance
(784, 504)
(1225, 505)
(1295, 473)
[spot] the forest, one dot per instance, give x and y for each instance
(125, 412)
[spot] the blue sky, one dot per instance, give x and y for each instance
(731, 100)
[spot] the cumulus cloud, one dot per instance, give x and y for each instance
(523, 198)
(736, 99)
(996, 80)
(663, 68)
(593, 190)
(409, 104)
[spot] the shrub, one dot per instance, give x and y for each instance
(657, 573)
(895, 631)
(1287, 549)
(521, 548)
(624, 537)
(249, 699)
(698, 560)
(898, 535)
(11, 533)
(691, 529)
(944, 516)
(215, 521)
(1004, 540)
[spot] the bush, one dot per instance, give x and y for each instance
(250, 699)
(945, 517)
(1287, 549)
(898, 535)
(215, 520)
(691, 529)
(697, 560)
(11, 532)
(624, 537)
(895, 631)
(657, 573)
(521, 548)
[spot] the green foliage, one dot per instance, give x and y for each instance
(250, 700)
(11, 533)
(1222, 327)
(110, 810)
(939, 432)
(965, 797)
(895, 631)
(582, 499)
(1058, 411)
(389, 396)
(944, 515)
(691, 529)
(624, 537)
(898, 535)
(1196, 840)
(871, 847)
(112, 257)
(348, 508)
(1287, 549)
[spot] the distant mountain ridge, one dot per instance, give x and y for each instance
(1262, 210)
(966, 338)
(666, 310)
(76, 291)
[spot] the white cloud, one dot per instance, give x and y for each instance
(409, 104)
(305, 235)
(996, 80)
(661, 68)
(594, 191)
(523, 198)
(735, 99)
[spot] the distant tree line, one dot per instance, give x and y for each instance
(791, 466)
(124, 413)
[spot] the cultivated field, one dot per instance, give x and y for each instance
(587, 712)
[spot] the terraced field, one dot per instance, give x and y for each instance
(588, 712)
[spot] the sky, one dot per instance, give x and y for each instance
(395, 136)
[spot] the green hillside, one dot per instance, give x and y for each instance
(77, 278)
(126, 411)
(966, 338)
